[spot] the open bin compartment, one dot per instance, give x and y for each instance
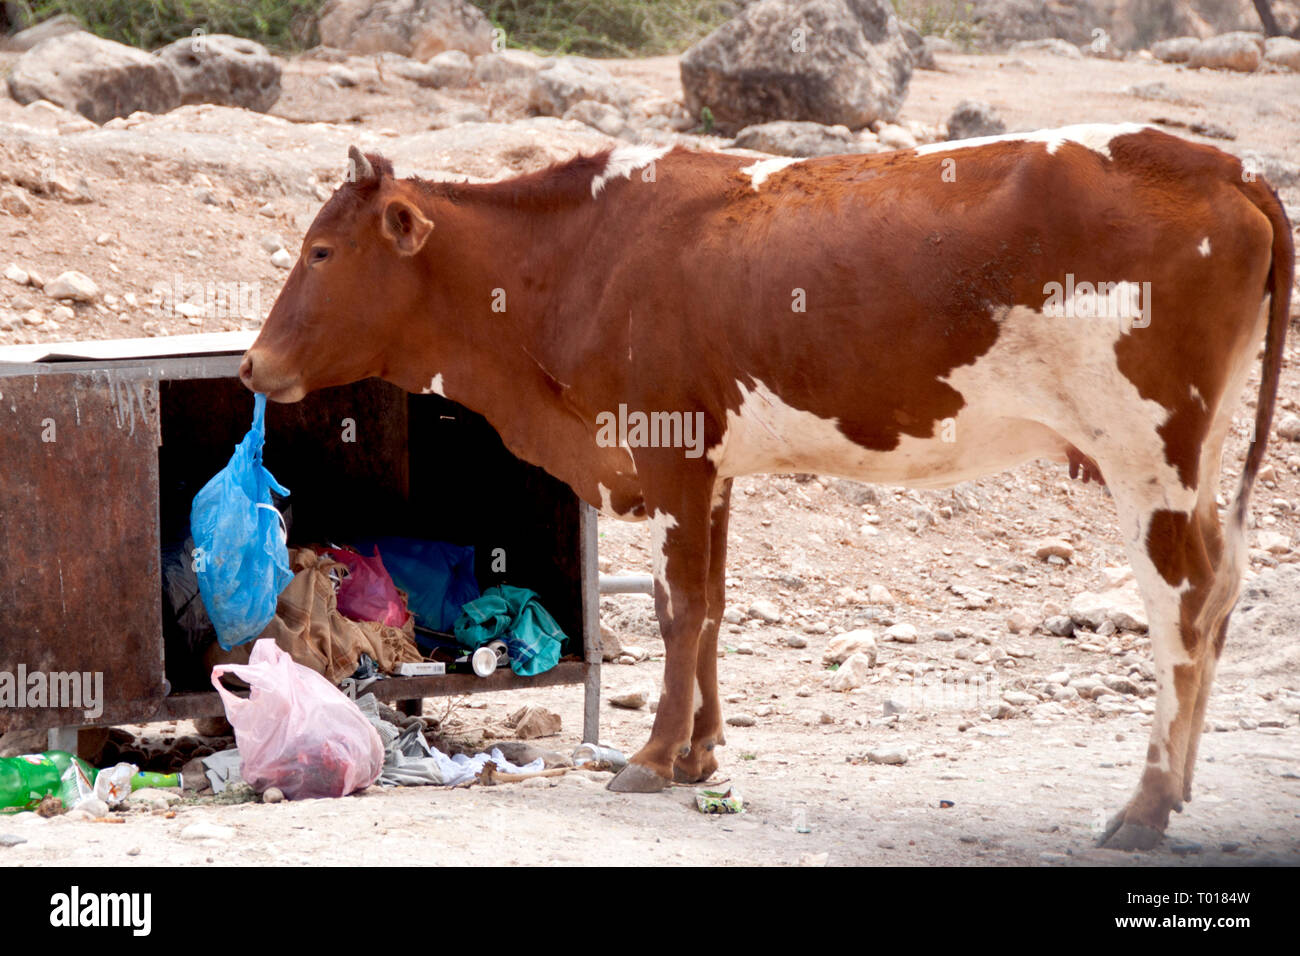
(85, 517)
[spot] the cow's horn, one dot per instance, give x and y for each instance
(359, 166)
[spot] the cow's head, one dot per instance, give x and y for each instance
(353, 290)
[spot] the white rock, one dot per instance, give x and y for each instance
(508, 65)
(893, 136)
(608, 119)
(72, 285)
(765, 611)
(93, 808)
(879, 594)
(15, 274)
(1283, 52)
(845, 645)
(853, 673)
(1175, 49)
(1122, 607)
(281, 259)
(894, 756)
(1053, 547)
(902, 633)
(1239, 51)
(1275, 542)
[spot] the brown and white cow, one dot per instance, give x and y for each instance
(1096, 294)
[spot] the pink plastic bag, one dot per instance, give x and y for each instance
(368, 592)
(297, 731)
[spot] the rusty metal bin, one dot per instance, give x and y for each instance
(104, 444)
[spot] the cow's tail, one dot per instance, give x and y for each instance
(1280, 276)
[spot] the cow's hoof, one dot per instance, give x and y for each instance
(1124, 836)
(695, 768)
(636, 778)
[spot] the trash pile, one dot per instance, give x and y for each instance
(302, 737)
(281, 629)
(375, 607)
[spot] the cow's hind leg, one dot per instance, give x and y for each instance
(701, 762)
(680, 524)
(1167, 546)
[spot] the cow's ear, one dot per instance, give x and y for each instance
(406, 226)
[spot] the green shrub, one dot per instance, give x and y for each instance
(951, 19)
(588, 27)
(283, 24)
(606, 27)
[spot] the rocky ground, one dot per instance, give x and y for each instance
(988, 691)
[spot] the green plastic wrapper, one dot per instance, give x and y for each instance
(720, 801)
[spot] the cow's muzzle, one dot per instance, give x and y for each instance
(258, 375)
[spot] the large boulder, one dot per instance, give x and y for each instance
(98, 78)
(833, 62)
(414, 28)
(1242, 52)
(228, 70)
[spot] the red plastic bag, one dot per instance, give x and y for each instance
(297, 731)
(368, 592)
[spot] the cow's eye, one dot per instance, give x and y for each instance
(319, 253)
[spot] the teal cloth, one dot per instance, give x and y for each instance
(515, 616)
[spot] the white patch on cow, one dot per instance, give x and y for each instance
(1204, 247)
(1163, 604)
(760, 170)
(607, 508)
(1015, 409)
(699, 696)
(624, 161)
(1195, 393)
(660, 524)
(435, 387)
(1095, 136)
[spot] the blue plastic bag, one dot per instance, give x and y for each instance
(241, 555)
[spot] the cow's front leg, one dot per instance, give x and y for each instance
(701, 762)
(680, 530)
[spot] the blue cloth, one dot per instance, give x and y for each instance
(241, 558)
(514, 615)
(437, 577)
